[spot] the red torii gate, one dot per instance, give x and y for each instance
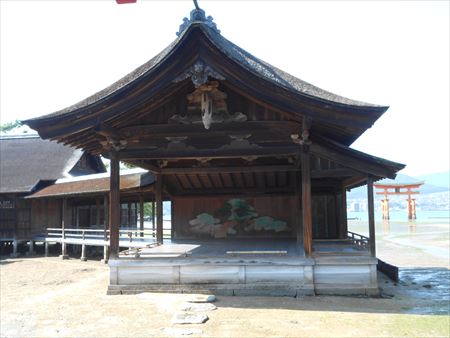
(398, 189)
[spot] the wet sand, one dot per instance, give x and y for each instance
(410, 244)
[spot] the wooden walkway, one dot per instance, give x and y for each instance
(131, 238)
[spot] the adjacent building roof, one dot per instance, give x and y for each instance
(26, 161)
(96, 184)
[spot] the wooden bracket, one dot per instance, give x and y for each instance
(112, 139)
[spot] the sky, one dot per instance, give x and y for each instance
(396, 53)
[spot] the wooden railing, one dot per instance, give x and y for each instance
(130, 234)
(359, 240)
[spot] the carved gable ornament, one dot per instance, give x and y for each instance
(206, 104)
(199, 73)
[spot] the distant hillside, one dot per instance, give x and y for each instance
(427, 188)
(441, 179)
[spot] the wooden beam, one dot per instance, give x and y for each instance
(234, 191)
(242, 169)
(142, 164)
(306, 202)
(159, 208)
(336, 173)
(353, 181)
(217, 129)
(282, 151)
(371, 214)
(106, 131)
(349, 161)
(114, 206)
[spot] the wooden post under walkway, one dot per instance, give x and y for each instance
(63, 225)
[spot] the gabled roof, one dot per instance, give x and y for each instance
(27, 160)
(274, 86)
(237, 54)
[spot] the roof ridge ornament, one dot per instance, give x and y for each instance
(198, 15)
(199, 73)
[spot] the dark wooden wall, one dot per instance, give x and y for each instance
(45, 213)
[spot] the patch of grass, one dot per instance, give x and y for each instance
(419, 326)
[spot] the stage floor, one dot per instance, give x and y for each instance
(242, 248)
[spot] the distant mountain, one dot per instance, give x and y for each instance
(427, 188)
(20, 130)
(441, 179)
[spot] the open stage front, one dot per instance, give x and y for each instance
(246, 267)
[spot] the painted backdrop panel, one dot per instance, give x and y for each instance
(234, 217)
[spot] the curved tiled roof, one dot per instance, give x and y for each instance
(251, 63)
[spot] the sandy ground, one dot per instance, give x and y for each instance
(47, 297)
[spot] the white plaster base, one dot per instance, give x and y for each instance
(276, 276)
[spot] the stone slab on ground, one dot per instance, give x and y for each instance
(178, 331)
(201, 299)
(189, 318)
(198, 307)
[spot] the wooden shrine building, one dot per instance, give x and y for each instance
(28, 164)
(255, 162)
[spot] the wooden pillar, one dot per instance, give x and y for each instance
(77, 217)
(159, 209)
(306, 201)
(114, 206)
(298, 196)
(343, 229)
(97, 213)
(141, 214)
(371, 214)
(153, 217)
(105, 227)
(105, 216)
(129, 224)
(63, 226)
